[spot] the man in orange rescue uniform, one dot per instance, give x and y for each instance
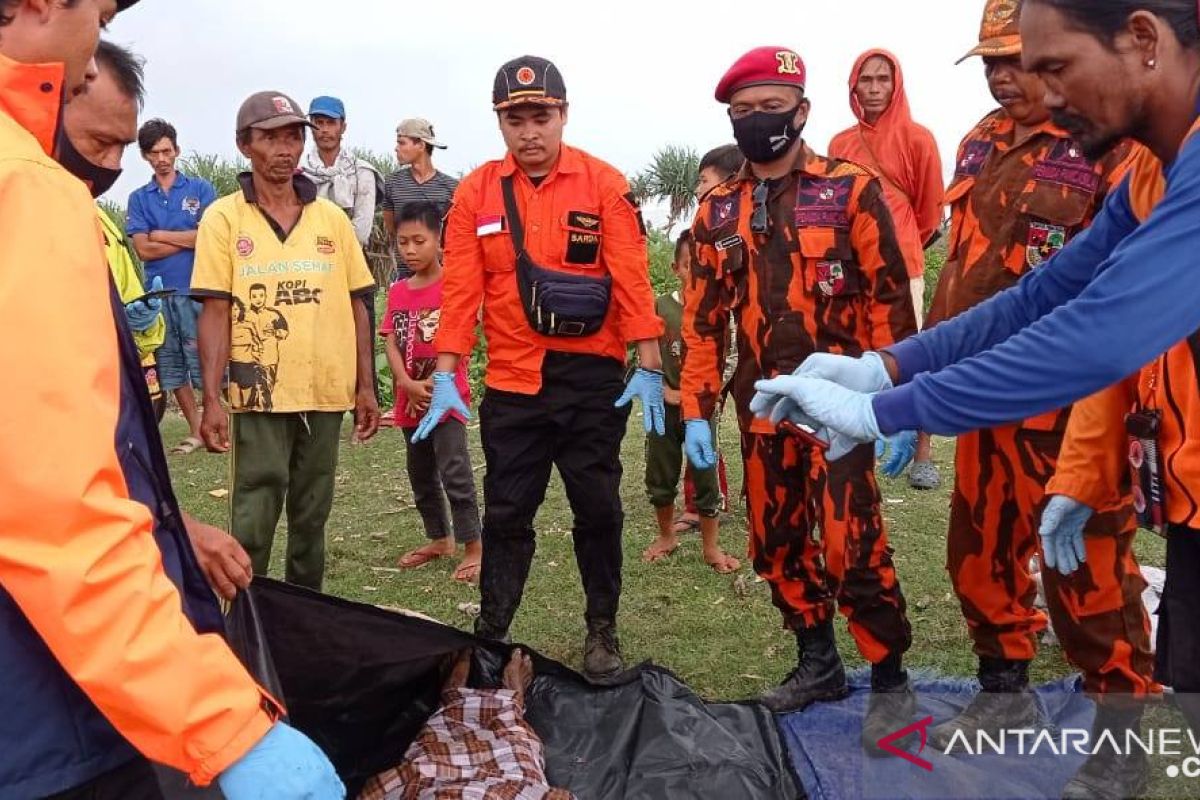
(550, 241)
(1022, 188)
(803, 252)
(111, 648)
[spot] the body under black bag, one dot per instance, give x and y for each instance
(555, 303)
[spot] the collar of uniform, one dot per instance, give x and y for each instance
(1003, 129)
(306, 190)
(569, 160)
(804, 156)
(32, 95)
(181, 180)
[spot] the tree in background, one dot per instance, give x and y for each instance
(670, 178)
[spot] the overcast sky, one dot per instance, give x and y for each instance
(640, 74)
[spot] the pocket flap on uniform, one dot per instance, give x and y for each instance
(822, 243)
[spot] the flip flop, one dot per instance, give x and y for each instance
(727, 565)
(659, 555)
(186, 447)
(682, 525)
(420, 557)
(466, 573)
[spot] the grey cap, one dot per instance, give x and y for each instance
(270, 110)
(421, 129)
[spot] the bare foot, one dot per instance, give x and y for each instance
(468, 569)
(721, 562)
(662, 547)
(518, 675)
(438, 548)
(459, 671)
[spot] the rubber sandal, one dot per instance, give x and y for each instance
(187, 446)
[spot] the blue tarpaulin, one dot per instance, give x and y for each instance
(824, 744)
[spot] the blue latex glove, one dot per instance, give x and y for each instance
(866, 374)
(698, 443)
(902, 447)
(445, 398)
(142, 313)
(647, 384)
(284, 765)
(1062, 533)
(843, 416)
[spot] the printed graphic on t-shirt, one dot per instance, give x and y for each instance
(415, 331)
(259, 330)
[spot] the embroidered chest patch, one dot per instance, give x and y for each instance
(831, 278)
(724, 210)
(1044, 240)
(823, 202)
(1067, 166)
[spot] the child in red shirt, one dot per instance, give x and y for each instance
(439, 468)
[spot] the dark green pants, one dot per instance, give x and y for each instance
(664, 460)
(283, 459)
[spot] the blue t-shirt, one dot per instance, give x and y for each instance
(180, 209)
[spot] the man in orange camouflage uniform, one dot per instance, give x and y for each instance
(1021, 190)
(801, 249)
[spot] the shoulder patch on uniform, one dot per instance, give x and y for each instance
(631, 198)
(823, 202)
(723, 209)
(1067, 166)
(840, 168)
(974, 154)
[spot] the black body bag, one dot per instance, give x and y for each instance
(556, 303)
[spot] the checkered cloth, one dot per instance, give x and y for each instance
(476, 747)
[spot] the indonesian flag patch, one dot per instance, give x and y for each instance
(489, 224)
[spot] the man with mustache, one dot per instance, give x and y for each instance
(1022, 188)
(548, 223)
(289, 262)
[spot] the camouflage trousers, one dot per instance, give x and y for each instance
(1097, 611)
(791, 491)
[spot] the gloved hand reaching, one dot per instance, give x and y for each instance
(902, 447)
(843, 416)
(142, 313)
(865, 374)
(647, 384)
(445, 399)
(284, 765)
(698, 443)
(1062, 533)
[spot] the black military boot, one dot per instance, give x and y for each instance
(1108, 775)
(818, 674)
(1004, 702)
(602, 651)
(892, 705)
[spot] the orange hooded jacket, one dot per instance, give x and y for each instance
(905, 157)
(77, 555)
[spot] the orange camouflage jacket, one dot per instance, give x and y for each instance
(825, 274)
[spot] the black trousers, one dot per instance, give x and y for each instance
(570, 424)
(133, 781)
(1177, 650)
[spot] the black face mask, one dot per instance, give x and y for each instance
(764, 136)
(99, 179)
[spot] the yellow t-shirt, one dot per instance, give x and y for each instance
(293, 342)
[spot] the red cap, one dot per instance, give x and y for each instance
(763, 66)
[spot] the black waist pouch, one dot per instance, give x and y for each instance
(555, 303)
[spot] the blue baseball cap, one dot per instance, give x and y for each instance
(326, 106)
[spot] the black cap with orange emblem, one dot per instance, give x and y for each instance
(528, 80)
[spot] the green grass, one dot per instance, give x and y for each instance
(719, 633)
